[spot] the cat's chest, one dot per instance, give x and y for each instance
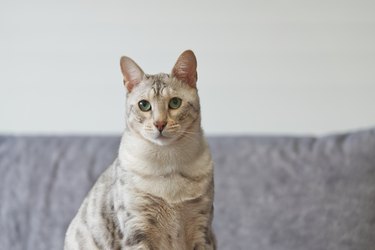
(174, 188)
(173, 182)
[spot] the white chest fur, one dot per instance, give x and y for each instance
(175, 173)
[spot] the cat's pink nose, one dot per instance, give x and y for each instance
(160, 125)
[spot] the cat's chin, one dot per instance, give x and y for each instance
(162, 140)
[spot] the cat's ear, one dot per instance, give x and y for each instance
(185, 68)
(132, 73)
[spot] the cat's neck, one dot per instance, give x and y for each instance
(150, 158)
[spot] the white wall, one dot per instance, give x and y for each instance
(264, 66)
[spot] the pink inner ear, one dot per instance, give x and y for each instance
(130, 85)
(132, 73)
(185, 68)
(186, 77)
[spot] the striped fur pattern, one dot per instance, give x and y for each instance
(158, 193)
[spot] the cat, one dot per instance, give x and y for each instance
(158, 193)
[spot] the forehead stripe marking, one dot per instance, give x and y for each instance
(158, 87)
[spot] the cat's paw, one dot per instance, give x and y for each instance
(200, 246)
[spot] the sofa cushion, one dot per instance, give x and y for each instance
(272, 193)
(277, 193)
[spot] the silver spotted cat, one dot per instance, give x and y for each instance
(158, 193)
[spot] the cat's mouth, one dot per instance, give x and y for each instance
(162, 139)
(161, 136)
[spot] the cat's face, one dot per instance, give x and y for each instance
(162, 108)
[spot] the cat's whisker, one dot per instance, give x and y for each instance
(187, 137)
(192, 133)
(175, 126)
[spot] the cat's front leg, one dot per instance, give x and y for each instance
(205, 240)
(207, 245)
(137, 239)
(202, 247)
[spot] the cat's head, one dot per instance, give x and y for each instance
(162, 108)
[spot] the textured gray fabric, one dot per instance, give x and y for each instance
(272, 193)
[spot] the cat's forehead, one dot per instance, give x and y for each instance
(161, 77)
(158, 86)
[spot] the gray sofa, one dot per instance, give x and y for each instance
(272, 193)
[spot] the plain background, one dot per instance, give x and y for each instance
(270, 67)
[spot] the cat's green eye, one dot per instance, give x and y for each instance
(144, 105)
(175, 103)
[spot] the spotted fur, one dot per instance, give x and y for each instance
(158, 193)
